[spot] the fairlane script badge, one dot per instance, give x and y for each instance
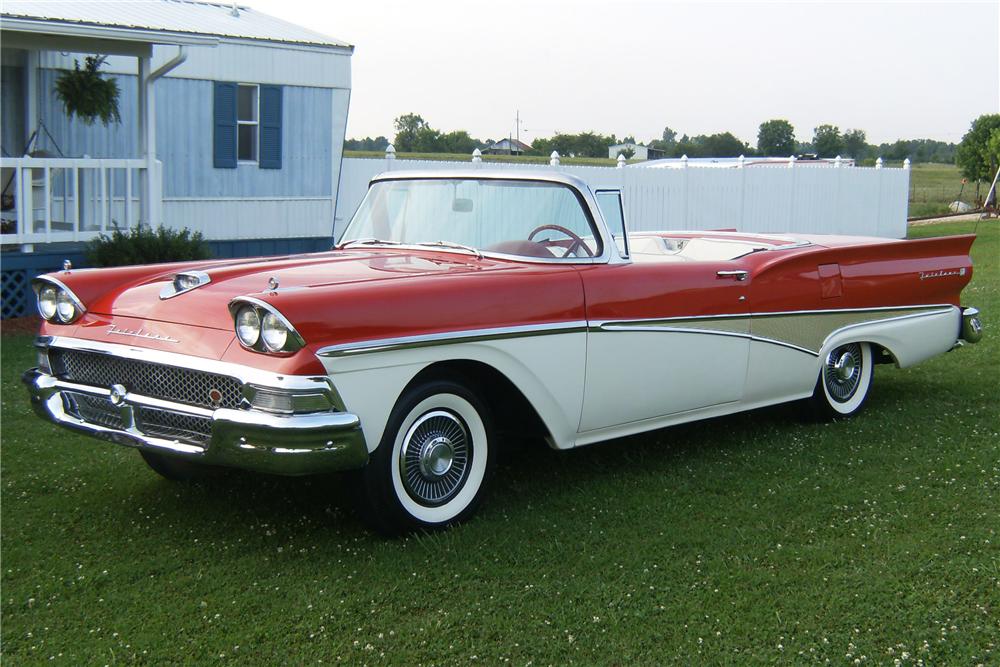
(140, 334)
(924, 275)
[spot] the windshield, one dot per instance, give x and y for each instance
(524, 218)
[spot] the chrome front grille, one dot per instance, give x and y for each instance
(170, 383)
(99, 410)
(174, 426)
(93, 409)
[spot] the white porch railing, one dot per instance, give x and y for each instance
(51, 200)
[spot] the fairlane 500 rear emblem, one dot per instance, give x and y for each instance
(924, 275)
(139, 333)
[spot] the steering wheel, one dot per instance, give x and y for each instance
(576, 244)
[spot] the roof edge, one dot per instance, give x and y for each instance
(60, 27)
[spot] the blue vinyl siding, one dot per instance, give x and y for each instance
(76, 139)
(184, 139)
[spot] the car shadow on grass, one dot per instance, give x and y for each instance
(230, 499)
(529, 474)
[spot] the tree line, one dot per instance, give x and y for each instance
(775, 138)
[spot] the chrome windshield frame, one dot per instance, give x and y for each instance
(582, 191)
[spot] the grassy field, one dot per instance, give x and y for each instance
(753, 539)
(934, 186)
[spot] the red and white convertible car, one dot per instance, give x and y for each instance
(460, 306)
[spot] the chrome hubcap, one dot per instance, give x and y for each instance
(845, 366)
(842, 372)
(435, 458)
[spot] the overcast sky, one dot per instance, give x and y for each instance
(893, 69)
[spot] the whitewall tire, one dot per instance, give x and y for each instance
(844, 382)
(431, 467)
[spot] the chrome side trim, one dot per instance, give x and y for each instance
(663, 325)
(612, 326)
(596, 326)
(451, 337)
(873, 309)
(779, 313)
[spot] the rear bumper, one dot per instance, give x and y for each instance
(250, 439)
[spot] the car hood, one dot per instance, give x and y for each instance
(207, 304)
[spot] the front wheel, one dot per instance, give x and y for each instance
(431, 466)
(844, 381)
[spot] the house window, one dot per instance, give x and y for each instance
(247, 116)
(247, 122)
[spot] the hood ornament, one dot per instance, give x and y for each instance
(272, 283)
(67, 265)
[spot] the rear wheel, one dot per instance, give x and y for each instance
(175, 468)
(431, 467)
(844, 381)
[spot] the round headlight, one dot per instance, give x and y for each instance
(274, 333)
(47, 302)
(248, 326)
(65, 309)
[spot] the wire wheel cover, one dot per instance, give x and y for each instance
(843, 371)
(435, 458)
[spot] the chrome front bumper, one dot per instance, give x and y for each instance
(295, 444)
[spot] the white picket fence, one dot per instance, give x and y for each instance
(818, 199)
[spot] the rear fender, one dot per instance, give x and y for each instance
(910, 339)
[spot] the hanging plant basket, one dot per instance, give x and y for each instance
(88, 95)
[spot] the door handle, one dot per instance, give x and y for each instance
(739, 275)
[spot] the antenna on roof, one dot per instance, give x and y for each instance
(236, 10)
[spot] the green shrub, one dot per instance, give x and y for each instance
(142, 245)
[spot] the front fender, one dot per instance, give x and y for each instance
(548, 369)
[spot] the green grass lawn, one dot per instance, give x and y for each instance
(755, 538)
(934, 186)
